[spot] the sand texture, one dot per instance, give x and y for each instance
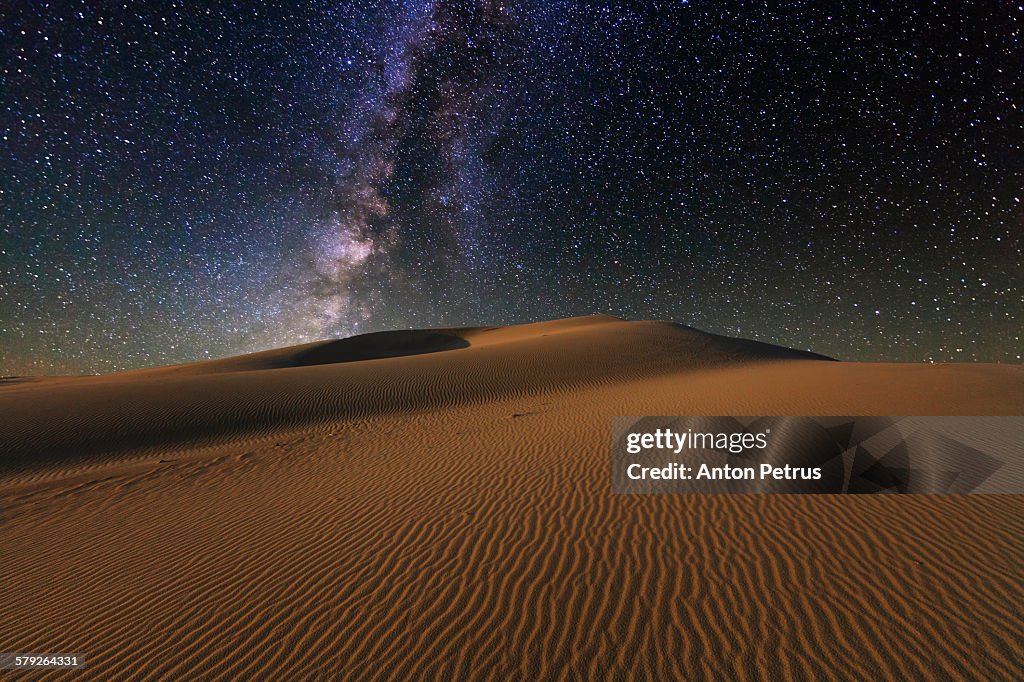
(437, 504)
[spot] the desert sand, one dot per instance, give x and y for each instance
(437, 504)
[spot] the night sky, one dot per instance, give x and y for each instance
(188, 180)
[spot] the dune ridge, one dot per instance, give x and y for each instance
(254, 394)
(448, 515)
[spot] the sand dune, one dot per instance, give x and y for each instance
(87, 418)
(437, 504)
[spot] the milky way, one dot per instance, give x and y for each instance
(191, 180)
(436, 90)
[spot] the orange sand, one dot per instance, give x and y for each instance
(438, 504)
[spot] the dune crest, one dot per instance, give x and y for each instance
(686, 371)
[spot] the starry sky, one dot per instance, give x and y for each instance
(186, 180)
